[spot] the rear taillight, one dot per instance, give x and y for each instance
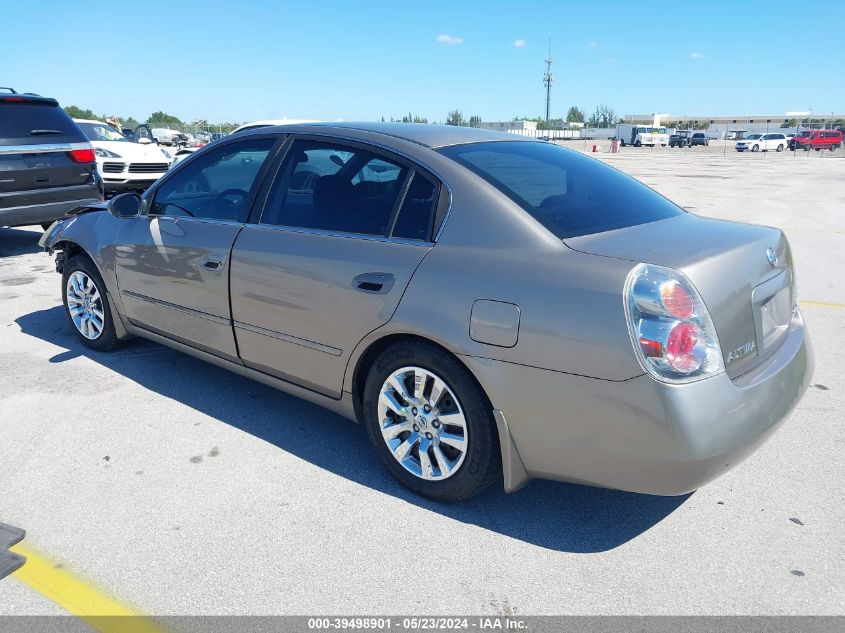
(82, 155)
(673, 335)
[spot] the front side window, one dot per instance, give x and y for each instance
(215, 186)
(566, 192)
(332, 187)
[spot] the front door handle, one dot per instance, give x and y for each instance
(213, 262)
(376, 283)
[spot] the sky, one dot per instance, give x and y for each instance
(244, 61)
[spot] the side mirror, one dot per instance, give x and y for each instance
(144, 140)
(126, 205)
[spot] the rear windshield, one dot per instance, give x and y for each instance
(34, 123)
(567, 192)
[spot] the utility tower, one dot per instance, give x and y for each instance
(548, 78)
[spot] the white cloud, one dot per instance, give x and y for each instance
(449, 39)
(519, 43)
(593, 44)
(696, 55)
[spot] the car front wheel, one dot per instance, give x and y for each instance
(86, 304)
(430, 423)
(756, 148)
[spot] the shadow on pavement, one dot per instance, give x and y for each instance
(557, 516)
(19, 242)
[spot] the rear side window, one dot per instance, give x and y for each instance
(416, 216)
(333, 187)
(568, 193)
(37, 123)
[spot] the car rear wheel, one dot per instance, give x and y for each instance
(86, 304)
(430, 423)
(638, 144)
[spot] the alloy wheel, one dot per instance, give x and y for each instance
(85, 305)
(422, 423)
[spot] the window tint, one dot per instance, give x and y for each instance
(35, 123)
(215, 186)
(568, 193)
(416, 216)
(335, 188)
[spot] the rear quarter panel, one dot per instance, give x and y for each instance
(571, 309)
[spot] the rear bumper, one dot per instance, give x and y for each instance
(641, 435)
(41, 213)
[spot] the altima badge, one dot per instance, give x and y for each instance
(770, 255)
(743, 350)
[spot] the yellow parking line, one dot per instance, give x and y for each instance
(95, 608)
(821, 304)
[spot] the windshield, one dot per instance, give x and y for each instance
(805, 133)
(101, 132)
(568, 193)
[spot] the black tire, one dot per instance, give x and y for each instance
(780, 148)
(482, 464)
(755, 148)
(638, 144)
(107, 340)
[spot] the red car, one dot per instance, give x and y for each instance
(817, 140)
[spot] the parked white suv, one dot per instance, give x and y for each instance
(123, 164)
(762, 142)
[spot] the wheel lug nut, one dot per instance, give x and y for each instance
(416, 428)
(427, 408)
(414, 410)
(428, 436)
(435, 424)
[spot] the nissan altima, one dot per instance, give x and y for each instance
(487, 307)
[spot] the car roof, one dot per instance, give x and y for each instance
(425, 134)
(89, 121)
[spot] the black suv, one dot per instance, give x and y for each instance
(686, 138)
(47, 166)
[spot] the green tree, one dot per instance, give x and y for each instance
(604, 116)
(76, 112)
(455, 117)
(413, 118)
(162, 119)
(474, 120)
(575, 115)
(131, 122)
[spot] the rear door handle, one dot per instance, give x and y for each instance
(213, 262)
(376, 283)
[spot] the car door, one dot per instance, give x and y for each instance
(342, 231)
(172, 263)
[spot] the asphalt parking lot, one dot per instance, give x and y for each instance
(179, 488)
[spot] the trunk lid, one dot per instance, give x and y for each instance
(749, 297)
